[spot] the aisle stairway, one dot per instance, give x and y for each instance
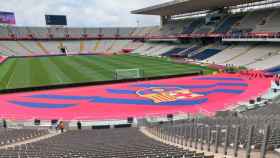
(42, 47)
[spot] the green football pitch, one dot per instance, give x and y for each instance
(42, 71)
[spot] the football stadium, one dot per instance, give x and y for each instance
(204, 83)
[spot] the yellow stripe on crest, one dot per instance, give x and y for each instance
(159, 98)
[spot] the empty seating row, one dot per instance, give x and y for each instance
(61, 32)
(251, 20)
(39, 48)
(115, 143)
(227, 24)
(8, 136)
(188, 29)
(173, 52)
(253, 56)
(251, 130)
(257, 21)
(206, 54)
(270, 24)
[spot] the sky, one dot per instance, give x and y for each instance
(82, 13)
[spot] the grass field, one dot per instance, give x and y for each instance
(32, 72)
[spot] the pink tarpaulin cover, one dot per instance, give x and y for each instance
(2, 59)
(199, 94)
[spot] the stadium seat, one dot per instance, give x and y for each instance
(206, 54)
(123, 143)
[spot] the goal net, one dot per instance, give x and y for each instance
(121, 74)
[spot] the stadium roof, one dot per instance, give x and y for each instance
(177, 7)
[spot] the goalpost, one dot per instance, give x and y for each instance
(121, 74)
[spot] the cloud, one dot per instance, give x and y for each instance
(81, 13)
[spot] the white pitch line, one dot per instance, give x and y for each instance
(10, 77)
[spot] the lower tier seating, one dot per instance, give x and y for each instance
(255, 129)
(16, 135)
(116, 143)
(174, 51)
(206, 54)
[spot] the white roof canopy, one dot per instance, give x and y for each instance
(187, 6)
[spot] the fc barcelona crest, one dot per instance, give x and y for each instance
(167, 94)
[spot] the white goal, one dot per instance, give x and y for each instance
(121, 74)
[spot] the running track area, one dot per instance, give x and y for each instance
(206, 94)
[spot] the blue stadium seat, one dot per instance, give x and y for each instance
(189, 51)
(275, 70)
(206, 54)
(227, 24)
(174, 51)
(189, 29)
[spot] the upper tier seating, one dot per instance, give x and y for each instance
(151, 31)
(227, 24)
(189, 28)
(20, 32)
(204, 29)
(93, 32)
(108, 32)
(65, 32)
(173, 27)
(251, 20)
(142, 31)
(39, 32)
(257, 21)
(117, 143)
(125, 31)
(168, 29)
(4, 33)
(57, 32)
(272, 23)
(75, 32)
